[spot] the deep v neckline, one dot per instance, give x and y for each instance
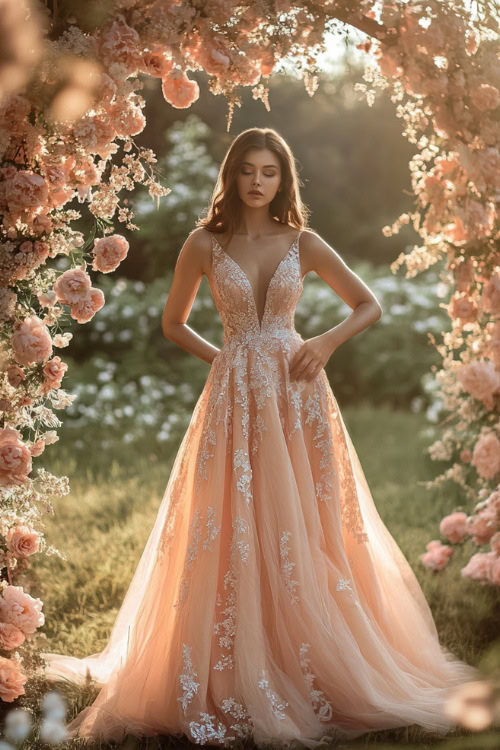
(247, 280)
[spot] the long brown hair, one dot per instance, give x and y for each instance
(224, 210)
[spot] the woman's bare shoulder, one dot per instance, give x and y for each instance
(197, 248)
(309, 241)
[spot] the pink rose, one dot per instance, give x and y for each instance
(37, 448)
(42, 223)
(109, 252)
(491, 295)
(47, 299)
(60, 195)
(11, 680)
(15, 458)
(465, 455)
(481, 380)
(14, 110)
(127, 118)
(26, 190)
(10, 636)
(72, 286)
(22, 541)
(437, 555)
(86, 308)
(31, 341)
(156, 64)
(178, 90)
(482, 526)
(478, 566)
(486, 455)
(119, 43)
(15, 375)
(453, 526)
(21, 609)
(54, 371)
(463, 307)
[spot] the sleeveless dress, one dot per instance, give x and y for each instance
(270, 601)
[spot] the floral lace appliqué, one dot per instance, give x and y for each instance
(320, 704)
(188, 683)
(287, 566)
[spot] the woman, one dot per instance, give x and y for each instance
(270, 600)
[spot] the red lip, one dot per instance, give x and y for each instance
(254, 192)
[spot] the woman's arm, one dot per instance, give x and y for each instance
(318, 256)
(193, 261)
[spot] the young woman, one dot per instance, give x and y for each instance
(270, 600)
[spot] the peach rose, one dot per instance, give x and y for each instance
(119, 43)
(156, 63)
(22, 541)
(21, 609)
(47, 299)
(127, 118)
(26, 190)
(15, 458)
(86, 308)
(486, 455)
(462, 307)
(54, 371)
(37, 448)
(72, 286)
(481, 380)
(12, 680)
(437, 555)
(178, 90)
(15, 375)
(453, 526)
(491, 295)
(42, 223)
(31, 341)
(10, 636)
(14, 110)
(109, 253)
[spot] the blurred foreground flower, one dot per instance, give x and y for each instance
(475, 705)
(20, 43)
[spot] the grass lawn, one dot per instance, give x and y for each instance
(103, 524)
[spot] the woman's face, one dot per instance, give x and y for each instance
(259, 171)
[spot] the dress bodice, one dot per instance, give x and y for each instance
(235, 301)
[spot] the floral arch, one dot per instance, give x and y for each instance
(70, 91)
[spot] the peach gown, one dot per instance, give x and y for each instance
(270, 600)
